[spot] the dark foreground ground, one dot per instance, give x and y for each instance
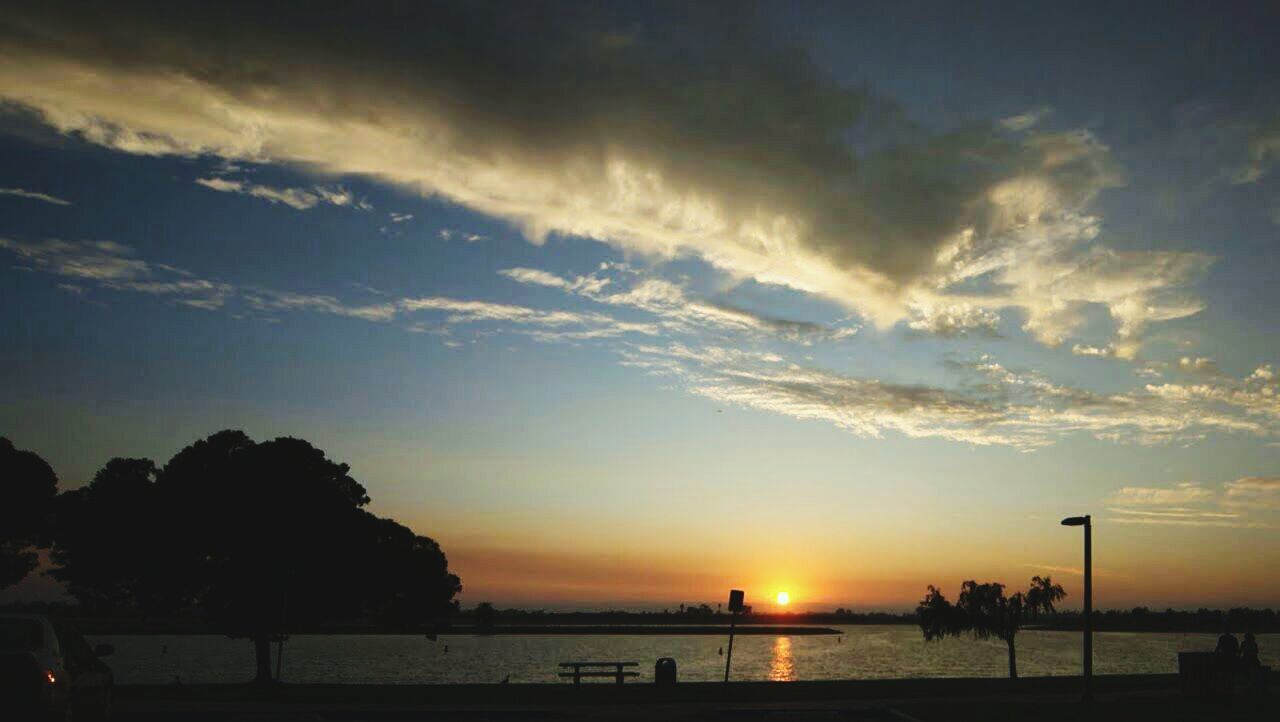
(1136, 698)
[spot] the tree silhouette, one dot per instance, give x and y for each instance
(28, 488)
(263, 538)
(405, 575)
(1042, 595)
(106, 551)
(983, 611)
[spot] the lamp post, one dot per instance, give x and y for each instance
(1086, 522)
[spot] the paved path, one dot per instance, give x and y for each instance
(824, 712)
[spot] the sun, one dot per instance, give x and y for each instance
(783, 599)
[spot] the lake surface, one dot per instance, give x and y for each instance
(862, 652)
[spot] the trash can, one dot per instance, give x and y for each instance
(664, 672)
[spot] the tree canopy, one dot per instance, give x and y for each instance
(28, 487)
(264, 538)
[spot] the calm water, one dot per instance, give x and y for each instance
(862, 652)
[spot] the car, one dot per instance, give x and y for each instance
(49, 671)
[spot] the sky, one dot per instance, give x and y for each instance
(626, 304)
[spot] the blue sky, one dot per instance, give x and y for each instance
(840, 301)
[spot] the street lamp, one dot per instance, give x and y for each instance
(1086, 522)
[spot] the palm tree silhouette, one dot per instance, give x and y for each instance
(983, 611)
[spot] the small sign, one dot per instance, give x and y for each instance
(736, 597)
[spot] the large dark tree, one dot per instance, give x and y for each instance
(264, 538)
(28, 487)
(983, 611)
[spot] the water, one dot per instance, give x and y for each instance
(862, 652)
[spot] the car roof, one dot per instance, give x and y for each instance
(49, 636)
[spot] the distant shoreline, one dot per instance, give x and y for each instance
(533, 630)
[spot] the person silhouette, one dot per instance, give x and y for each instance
(1249, 652)
(1228, 654)
(1228, 646)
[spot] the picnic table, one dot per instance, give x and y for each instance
(598, 669)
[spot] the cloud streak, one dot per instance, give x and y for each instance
(1245, 503)
(297, 198)
(113, 266)
(998, 406)
(676, 309)
(35, 196)
(1264, 153)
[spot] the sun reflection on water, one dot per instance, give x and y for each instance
(782, 667)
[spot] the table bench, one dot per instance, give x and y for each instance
(598, 669)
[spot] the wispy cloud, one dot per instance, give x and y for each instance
(1256, 492)
(1019, 409)
(271, 300)
(1177, 495)
(89, 260)
(737, 357)
(449, 234)
(1264, 153)
(1027, 120)
(1098, 351)
(675, 308)
(1198, 364)
(298, 198)
(1244, 503)
(953, 318)
(112, 266)
(1072, 571)
(35, 196)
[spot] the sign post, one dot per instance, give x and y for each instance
(736, 597)
(1086, 521)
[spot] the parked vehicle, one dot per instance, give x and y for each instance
(49, 671)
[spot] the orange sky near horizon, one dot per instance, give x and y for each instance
(585, 580)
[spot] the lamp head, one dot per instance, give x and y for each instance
(1075, 521)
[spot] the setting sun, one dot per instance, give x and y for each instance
(783, 599)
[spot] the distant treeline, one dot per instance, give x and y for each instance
(1139, 619)
(684, 614)
(1142, 619)
(126, 621)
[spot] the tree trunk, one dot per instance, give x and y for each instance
(1013, 659)
(262, 651)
